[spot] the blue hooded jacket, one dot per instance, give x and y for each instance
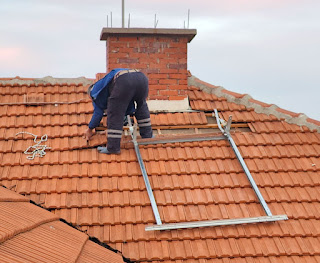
(100, 95)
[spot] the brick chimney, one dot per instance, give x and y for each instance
(160, 53)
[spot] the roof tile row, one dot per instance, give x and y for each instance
(133, 232)
(180, 213)
(29, 233)
(223, 248)
(46, 88)
(191, 181)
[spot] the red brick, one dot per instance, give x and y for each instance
(182, 60)
(183, 82)
(162, 59)
(161, 45)
(177, 66)
(158, 76)
(158, 87)
(179, 87)
(177, 97)
(113, 65)
(160, 66)
(153, 81)
(112, 38)
(183, 92)
(139, 66)
(134, 44)
(172, 71)
(128, 60)
(120, 55)
(157, 56)
(183, 71)
(168, 60)
(147, 59)
(151, 71)
(117, 45)
(126, 50)
(177, 76)
(112, 60)
(168, 81)
(141, 56)
(148, 50)
(169, 92)
(158, 97)
(153, 92)
(177, 56)
(128, 39)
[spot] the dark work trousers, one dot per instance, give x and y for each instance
(127, 87)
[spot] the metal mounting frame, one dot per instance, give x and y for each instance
(133, 131)
(195, 224)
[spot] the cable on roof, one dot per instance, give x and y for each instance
(36, 150)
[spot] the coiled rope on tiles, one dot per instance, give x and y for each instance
(36, 150)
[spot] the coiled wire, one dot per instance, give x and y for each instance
(36, 150)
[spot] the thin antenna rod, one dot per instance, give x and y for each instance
(107, 20)
(111, 19)
(155, 21)
(129, 21)
(122, 13)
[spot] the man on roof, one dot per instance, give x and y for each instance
(117, 94)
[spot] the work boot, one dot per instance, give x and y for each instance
(105, 150)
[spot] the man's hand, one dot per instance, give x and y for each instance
(88, 134)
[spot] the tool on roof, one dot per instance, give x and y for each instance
(226, 136)
(36, 150)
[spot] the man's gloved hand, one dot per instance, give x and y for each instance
(88, 134)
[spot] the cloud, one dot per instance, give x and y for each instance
(248, 46)
(16, 61)
(8, 54)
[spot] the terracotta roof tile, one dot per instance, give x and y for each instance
(191, 181)
(24, 225)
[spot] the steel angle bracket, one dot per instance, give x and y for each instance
(174, 140)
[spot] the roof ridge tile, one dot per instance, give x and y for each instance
(17, 81)
(259, 107)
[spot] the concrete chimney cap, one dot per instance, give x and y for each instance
(107, 31)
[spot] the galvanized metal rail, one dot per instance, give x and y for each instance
(223, 222)
(133, 131)
(226, 133)
(185, 139)
(195, 224)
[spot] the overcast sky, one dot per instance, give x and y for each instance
(269, 49)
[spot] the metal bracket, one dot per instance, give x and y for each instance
(227, 128)
(223, 222)
(183, 139)
(226, 135)
(133, 131)
(242, 163)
